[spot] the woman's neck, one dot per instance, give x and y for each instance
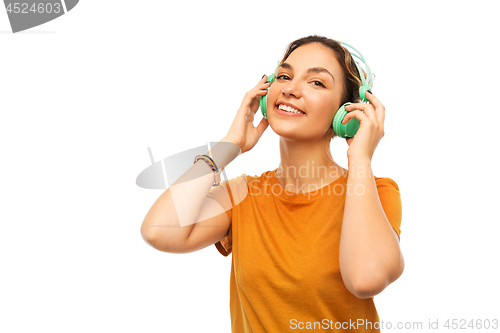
(307, 166)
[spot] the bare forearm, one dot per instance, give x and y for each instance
(370, 256)
(177, 209)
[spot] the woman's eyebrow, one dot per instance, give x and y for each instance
(310, 70)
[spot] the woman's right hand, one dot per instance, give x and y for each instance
(242, 131)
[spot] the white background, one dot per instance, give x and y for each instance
(83, 96)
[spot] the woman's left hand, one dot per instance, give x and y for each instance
(371, 128)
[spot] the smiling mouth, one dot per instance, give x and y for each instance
(288, 109)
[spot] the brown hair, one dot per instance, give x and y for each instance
(350, 75)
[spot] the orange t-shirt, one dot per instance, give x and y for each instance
(285, 272)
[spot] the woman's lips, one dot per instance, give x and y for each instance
(286, 113)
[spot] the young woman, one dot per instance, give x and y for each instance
(312, 242)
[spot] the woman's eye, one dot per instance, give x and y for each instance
(320, 84)
(286, 77)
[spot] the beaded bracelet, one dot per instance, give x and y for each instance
(212, 166)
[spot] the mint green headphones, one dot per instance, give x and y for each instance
(344, 131)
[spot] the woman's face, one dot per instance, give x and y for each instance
(310, 79)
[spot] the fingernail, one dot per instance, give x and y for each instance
(263, 76)
(370, 92)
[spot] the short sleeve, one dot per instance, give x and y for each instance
(229, 194)
(225, 245)
(390, 198)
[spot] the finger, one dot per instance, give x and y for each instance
(254, 97)
(262, 84)
(254, 104)
(373, 100)
(261, 92)
(253, 100)
(379, 107)
(255, 92)
(262, 126)
(366, 108)
(263, 79)
(354, 114)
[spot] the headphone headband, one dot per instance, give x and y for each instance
(368, 81)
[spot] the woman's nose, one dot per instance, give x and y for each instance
(291, 89)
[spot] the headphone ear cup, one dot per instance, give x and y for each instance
(263, 105)
(263, 99)
(344, 130)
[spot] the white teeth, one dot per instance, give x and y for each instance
(289, 109)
